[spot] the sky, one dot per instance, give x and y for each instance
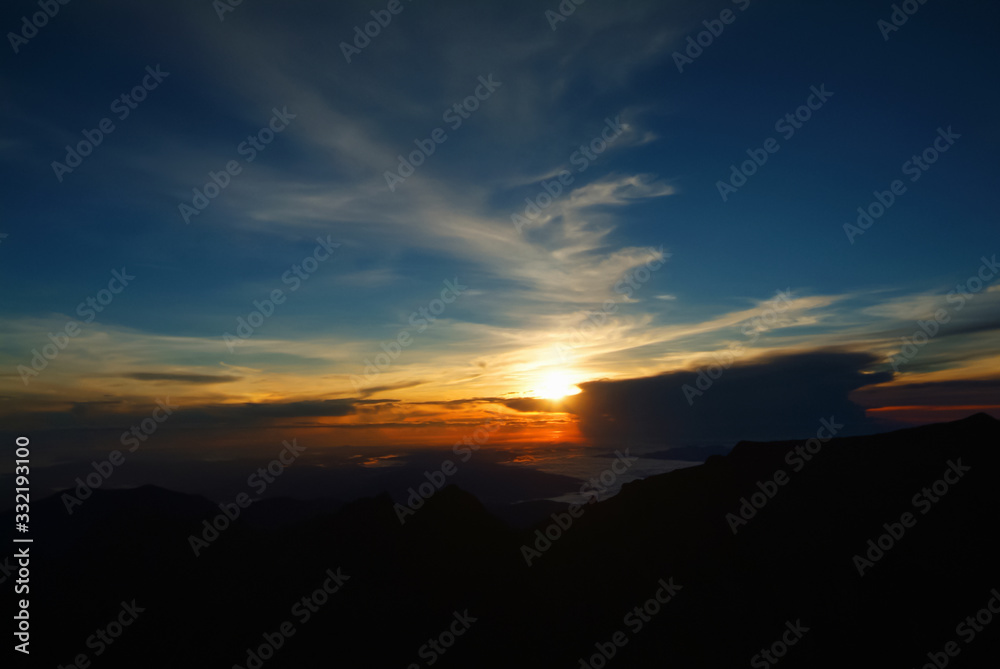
(611, 223)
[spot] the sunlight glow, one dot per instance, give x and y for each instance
(555, 385)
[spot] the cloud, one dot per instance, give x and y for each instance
(781, 397)
(529, 404)
(241, 415)
(618, 190)
(946, 393)
(118, 413)
(989, 323)
(205, 379)
(368, 392)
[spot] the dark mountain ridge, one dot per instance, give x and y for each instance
(789, 562)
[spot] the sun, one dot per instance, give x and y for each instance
(555, 386)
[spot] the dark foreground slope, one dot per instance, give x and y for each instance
(790, 566)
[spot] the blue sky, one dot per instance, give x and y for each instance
(651, 197)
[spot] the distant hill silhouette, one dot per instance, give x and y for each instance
(792, 561)
(689, 453)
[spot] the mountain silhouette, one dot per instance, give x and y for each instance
(787, 580)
